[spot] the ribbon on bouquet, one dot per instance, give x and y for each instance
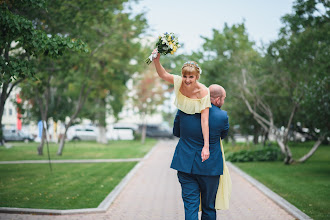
(152, 56)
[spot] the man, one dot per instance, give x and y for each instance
(197, 178)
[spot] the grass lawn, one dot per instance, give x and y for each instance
(77, 150)
(306, 186)
(69, 186)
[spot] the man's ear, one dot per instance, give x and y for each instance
(218, 100)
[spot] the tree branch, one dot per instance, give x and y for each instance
(312, 151)
(13, 85)
(255, 114)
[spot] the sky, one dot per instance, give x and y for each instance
(191, 19)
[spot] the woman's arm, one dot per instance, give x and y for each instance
(205, 129)
(162, 72)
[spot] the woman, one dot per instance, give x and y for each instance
(191, 96)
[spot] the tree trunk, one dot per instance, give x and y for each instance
(256, 138)
(61, 146)
(286, 151)
(233, 140)
(101, 137)
(312, 151)
(82, 98)
(42, 142)
(265, 138)
(247, 139)
(62, 140)
(256, 130)
(288, 160)
(3, 98)
(43, 106)
(4, 95)
(144, 132)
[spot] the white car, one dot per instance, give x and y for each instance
(120, 132)
(82, 133)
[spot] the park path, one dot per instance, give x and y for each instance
(154, 193)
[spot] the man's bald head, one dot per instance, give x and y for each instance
(218, 95)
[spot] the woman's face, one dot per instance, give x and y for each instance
(189, 79)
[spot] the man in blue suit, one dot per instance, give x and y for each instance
(197, 178)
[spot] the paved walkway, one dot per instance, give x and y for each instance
(154, 193)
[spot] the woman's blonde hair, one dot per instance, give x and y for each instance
(191, 67)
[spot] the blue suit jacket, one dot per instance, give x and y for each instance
(187, 155)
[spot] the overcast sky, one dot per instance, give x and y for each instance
(192, 19)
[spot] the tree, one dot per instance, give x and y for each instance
(99, 77)
(21, 43)
(298, 63)
(223, 57)
(112, 33)
(149, 95)
(45, 97)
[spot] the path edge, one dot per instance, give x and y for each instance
(102, 207)
(287, 206)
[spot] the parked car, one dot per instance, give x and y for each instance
(82, 133)
(16, 135)
(157, 131)
(120, 133)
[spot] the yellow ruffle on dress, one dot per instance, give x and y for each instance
(188, 105)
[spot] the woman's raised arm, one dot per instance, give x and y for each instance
(162, 72)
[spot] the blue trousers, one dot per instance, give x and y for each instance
(195, 186)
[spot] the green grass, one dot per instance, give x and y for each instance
(306, 186)
(77, 150)
(69, 186)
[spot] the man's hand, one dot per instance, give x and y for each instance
(205, 153)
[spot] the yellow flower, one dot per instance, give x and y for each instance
(174, 48)
(172, 52)
(169, 38)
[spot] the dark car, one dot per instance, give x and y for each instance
(157, 131)
(15, 135)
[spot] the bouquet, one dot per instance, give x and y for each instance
(167, 43)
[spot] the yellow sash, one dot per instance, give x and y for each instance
(224, 188)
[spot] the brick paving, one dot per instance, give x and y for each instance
(154, 193)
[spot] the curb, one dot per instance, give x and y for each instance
(297, 213)
(103, 206)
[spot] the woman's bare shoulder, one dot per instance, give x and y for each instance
(203, 91)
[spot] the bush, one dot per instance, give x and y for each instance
(263, 154)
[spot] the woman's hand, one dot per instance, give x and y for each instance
(158, 55)
(205, 153)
